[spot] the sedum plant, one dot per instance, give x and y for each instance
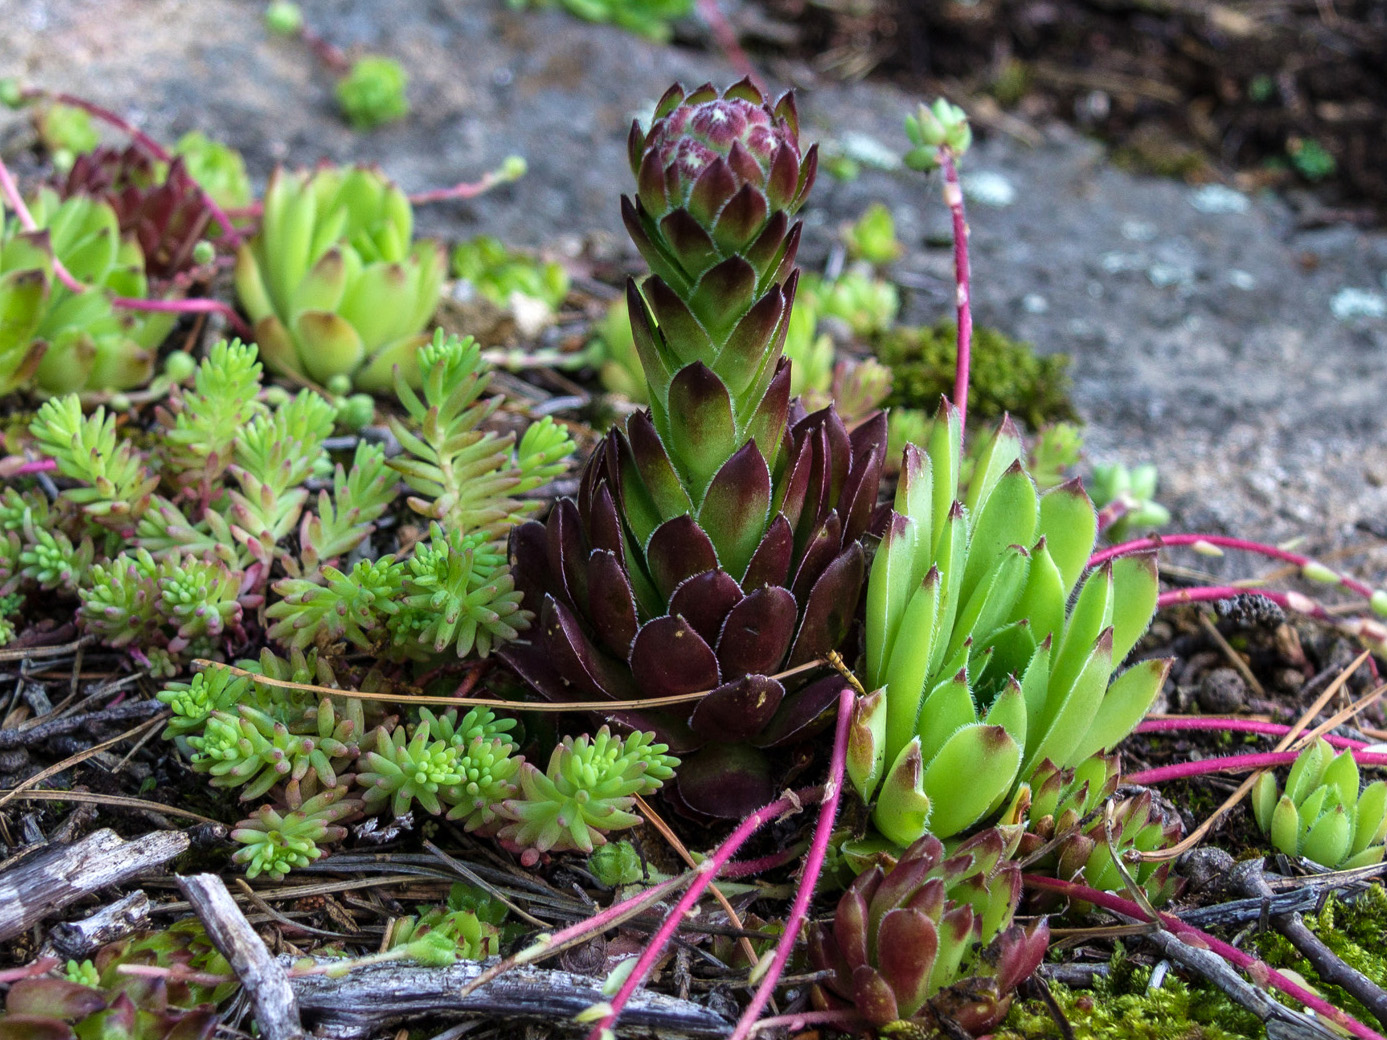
(1322, 815)
(61, 340)
(987, 652)
(930, 939)
(649, 18)
(1130, 494)
(714, 541)
(334, 284)
(509, 278)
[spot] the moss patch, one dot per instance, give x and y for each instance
(1006, 376)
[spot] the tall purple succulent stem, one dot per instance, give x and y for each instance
(963, 278)
(1237, 764)
(1158, 541)
(1259, 970)
(153, 147)
(813, 865)
(1224, 724)
(705, 873)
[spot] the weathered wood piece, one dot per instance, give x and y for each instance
(264, 979)
(57, 877)
(372, 999)
(78, 939)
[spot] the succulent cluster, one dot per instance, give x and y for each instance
(467, 927)
(507, 277)
(984, 659)
(96, 1000)
(1322, 814)
(1131, 495)
(62, 340)
(645, 17)
(336, 287)
(1068, 833)
(930, 940)
(372, 92)
(714, 541)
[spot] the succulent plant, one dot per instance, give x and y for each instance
(930, 939)
(714, 540)
(502, 274)
(276, 842)
(645, 17)
(1061, 813)
(66, 132)
(1322, 815)
(588, 789)
(68, 341)
(981, 667)
(866, 304)
(335, 285)
(941, 124)
(872, 237)
(373, 92)
(160, 205)
(1133, 492)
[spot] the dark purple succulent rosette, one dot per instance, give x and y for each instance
(167, 217)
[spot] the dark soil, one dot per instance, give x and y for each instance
(1288, 94)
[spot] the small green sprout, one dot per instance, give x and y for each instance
(373, 92)
(1322, 815)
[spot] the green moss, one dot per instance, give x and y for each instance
(1006, 375)
(1120, 1007)
(1357, 933)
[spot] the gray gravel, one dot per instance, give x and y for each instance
(1210, 336)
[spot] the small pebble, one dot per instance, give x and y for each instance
(1205, 866)
(1349, 303)
(1216, 198)
(1221, 692)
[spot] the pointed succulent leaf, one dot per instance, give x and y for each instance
(668, 658)
(1264, 799)
(1002, 452)
(1285, 826)
(701, 425)
(1124, 705)
(948, 708)
(1070, 526)
(1307, 769)
(1092, 613)
(1342, 774)
(757, 633)
(704, 601)
(1069, 706)
(866, 754)
(945, 452)
(903, 808)
(1135, 587)
(907, 944)
(735, 509)
(738, 710)
(972, 772)
(1328, 841)
(1371, 824)
(907, 669)
(1007, 517)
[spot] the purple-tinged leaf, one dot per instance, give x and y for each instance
(669, 658)
(770, 563)
(54, 998)
(701, 425)
(529, 554)
(679, 549)
(1020, 953)
(710, 192)
(823, 545)
(704, 600)
(656, 471)
(745, 165)
(611, 603)
(647, 240)
(741, 219)
(691, 246)
(635, 149)
(682, 338)
(589, 671)
(603, 524)
(735, 508)
(809, 167)
(767, 425)
(738, 710)
(830, 607)
(670, 100)
(757, 633)
(850, 918)
(723, 294)
(782, 180)
(745, 90)
(873, 997)
(930, 898)
(654, 357)
(724, 782)
(802, 714)
(859, 495)
(567, 555)
(765, 251)
(786, 110)
(34, 1027)
(745, 351)
(907, 943)
(707, 92)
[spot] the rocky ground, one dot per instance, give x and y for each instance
(1209, 334)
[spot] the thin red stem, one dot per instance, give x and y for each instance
(953, 198)
(848, 1021)
(153, 147)
(461, 190)
(1260, 971)
(36, 466)
(813, 865)
(194, 306)
(26, 220)
(726, 37)
(1159, 541)
(1237, 764)
(705, 873)
(1224, 724)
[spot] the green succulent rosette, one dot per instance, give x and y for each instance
(984, 659)
(66, 341)
(1322, 815)
(336, 287)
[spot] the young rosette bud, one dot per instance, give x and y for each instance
(940, 125)
(1322, 815)
(1066, 823)
(931, 939)
(69, 341)
(989, 662)
(334, 284)
(714, 541)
